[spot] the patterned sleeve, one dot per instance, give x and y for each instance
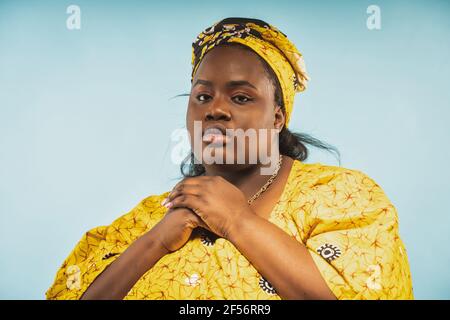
(354, 240)
(82, 266)
(99, 247)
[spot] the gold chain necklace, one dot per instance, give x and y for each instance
(268, 183)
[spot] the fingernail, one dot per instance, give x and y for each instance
(168, 205)
(164, 202)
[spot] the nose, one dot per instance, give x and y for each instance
(218, 110)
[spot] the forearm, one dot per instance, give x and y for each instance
(281, 259)
(117, 279)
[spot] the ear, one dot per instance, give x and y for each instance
(279, 118)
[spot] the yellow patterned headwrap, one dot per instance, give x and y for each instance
(265, 40)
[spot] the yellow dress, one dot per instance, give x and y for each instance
(341, 215)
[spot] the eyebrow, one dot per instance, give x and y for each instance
(229, 84)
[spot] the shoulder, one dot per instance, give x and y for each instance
(146, 211)
(321, 177)
(351, 230)
(129, 226)
(335, 192)
(101, 245)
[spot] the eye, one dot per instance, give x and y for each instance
(203, 97)
(241, 99)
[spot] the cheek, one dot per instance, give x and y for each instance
(189, 119)
(270, 118)
(266, 107)
(190, 115)
(264, 118)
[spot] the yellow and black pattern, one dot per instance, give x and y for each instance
(265, 40)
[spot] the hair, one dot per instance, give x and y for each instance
(291, 144)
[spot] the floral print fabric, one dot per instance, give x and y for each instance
(341, 215)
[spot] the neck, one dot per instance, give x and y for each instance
(247, 178)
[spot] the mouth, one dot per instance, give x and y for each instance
(215, 135)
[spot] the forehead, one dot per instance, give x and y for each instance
(229, 62)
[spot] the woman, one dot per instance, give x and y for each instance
(227, 231)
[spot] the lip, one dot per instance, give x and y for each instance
(217, 126)
(215, 135)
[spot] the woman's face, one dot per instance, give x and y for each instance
(232, 90)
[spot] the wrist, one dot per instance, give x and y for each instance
(242, 225)
(153, 244)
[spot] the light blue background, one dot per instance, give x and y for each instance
(86, 116)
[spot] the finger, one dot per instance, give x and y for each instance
(192, 180)
(193, 189)
(179, 187)
(194, 220)
(188, 201)
(201, 182)
(202, 224)
(198, 222)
